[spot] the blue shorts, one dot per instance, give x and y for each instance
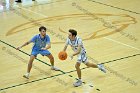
(42, 52)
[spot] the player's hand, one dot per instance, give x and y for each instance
(71, 57)
(18, 48)
(43, 48)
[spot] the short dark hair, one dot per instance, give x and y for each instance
(73, 32)
(42, 27)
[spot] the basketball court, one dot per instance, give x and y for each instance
(110, 33)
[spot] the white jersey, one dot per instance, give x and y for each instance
(75, 43)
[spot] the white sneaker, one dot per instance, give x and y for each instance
(78, 83)
(55, 68)
(102, 68)
(26, 76)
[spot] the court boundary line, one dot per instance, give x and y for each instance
(115, 7)
(121, 43)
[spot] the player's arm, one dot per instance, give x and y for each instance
(78, 51)
(48, 46)
(65, 47)
(26, 43)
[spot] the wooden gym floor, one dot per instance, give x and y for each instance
(119, 50)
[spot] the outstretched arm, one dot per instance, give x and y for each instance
(26, 43)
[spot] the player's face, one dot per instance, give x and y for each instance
(43, 32)
(70, 36)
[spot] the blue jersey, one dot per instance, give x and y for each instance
(40, 42)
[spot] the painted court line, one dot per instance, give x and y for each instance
(33, 12)
(114, 7)
(122, 43)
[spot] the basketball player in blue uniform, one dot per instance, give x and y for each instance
(77, 46)
(40, 41)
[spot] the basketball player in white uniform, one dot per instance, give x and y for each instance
(79, 50)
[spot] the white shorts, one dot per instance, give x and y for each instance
(82, 58)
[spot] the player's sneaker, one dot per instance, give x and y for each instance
(26, 76)
(55, 68)
(102, 68)
(78, 83)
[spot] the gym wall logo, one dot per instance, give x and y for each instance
(88, 28)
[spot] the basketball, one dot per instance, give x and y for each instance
(62, 55)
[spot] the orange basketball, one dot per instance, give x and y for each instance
(62, 55)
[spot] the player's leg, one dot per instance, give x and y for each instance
(100, 66)
(32, 57)
(52, 62)
(51, 58)
(84, 59)
(91, 65)
(34, 53)
(79, 81)
(81, 58)
(77, 66)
